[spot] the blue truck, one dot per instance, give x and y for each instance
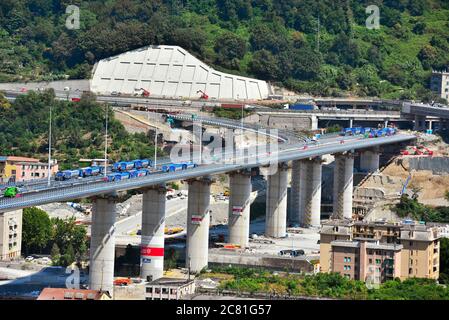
(67, 175)
(89, 171)
(301, 107)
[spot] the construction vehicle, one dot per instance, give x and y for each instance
(204, 96)
(173, 230)
(122, 282)
(11, 192)
(417, 151)
(145, 93)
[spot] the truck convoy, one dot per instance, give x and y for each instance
(119, 171)
(368, 132)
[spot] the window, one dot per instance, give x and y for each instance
(150, 290)
(347, 267)
(370, 261)
(164, 290)
(378, 261)
(410, 270)
(410, 243)
(157, 290)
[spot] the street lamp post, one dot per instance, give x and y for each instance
(106, 143)
(49, 152)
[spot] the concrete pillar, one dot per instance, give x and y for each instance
(102, 244)
(239, 208)
(295, 217)
(343, 186)
(276, 212)
(198, 220)
(420, 123)
(351, 122)
(386, 124)
(310, 191)
(313, 123)
(152, 242)
(369, 160)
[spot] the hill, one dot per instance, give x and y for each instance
(318, 46)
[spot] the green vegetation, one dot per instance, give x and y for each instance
(78, 131)
(234, 114)
(331, 285)
(63, 239)
(334, 129)
(275, 40)
(411, 208)
(444, 261)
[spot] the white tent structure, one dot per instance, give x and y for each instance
(170, 71)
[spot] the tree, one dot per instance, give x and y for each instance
(444, 260)
(230, 49)
(36, 230)
(265, 65)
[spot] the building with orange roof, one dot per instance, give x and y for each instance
(72, 294)
(14, 168)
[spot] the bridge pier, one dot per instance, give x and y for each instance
(102, 243)
(343, 186)
(198, 220)
(152, 238)
(310, 192)
(369, 160)
(295, 194)
(276, 211)
(239, 208)
(420, 123)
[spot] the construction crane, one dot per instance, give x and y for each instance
(203, 95)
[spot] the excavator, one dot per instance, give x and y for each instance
(145, 93)
(203, 95)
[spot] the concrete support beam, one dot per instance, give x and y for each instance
(314, 123)
(295, 217)
(343, 186)
(276, 212)
(239, 208)
(198, 220)
(420, 123)
(369, 160)
(310, 192)
(153, 224)
(102, 244)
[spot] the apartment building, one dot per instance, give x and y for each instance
(169, 289)
(10, 235)
(380, 251)
(22, 169)
(440, 84)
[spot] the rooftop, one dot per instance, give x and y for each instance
(369, 245)
(21, 159)
(70, 294)
(170, 281)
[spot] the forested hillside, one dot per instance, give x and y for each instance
(316, 46)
